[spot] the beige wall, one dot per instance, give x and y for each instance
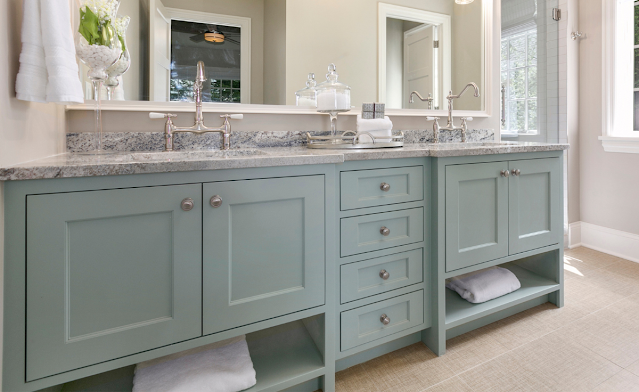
(131, 79)
(253, 9)
(467, 35)
(275, 52)
(29, 130)
(609, 182)
(572, 60)
(394, 63)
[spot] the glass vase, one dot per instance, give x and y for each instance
(98, 47)
(123, 63)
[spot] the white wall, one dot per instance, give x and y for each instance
(29, 130)
(131, 79)
(609, 182)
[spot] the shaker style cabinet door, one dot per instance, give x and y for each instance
(535, 201)
(263, 249)
(111, 273)
(476, 214)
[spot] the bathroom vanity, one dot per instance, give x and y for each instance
(324, 259)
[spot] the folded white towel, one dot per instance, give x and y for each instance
(484, 285)
(380, 128)
(48, 68)
(219, 367)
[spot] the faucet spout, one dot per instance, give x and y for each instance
(200, 77)
(471, 84)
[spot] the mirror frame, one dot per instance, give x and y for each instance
(182, 107)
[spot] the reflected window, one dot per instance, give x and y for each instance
(519, 82)
(218, 46)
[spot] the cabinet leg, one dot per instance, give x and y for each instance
(327, 382)
(435, 341)
(557, 298)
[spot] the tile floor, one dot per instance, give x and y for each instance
(591, 344)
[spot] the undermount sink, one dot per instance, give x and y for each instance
(194, 155)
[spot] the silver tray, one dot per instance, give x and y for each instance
(350, 140)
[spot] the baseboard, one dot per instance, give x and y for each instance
(614, 242)
(574, 235)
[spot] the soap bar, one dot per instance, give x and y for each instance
(368, 115)
(368, 107)
(380, 107)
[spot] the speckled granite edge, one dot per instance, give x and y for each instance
(154, 141)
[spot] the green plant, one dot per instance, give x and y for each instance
(95, 30)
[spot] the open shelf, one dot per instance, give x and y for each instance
(284, 356)
(459, 311)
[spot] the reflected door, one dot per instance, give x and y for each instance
(160, 52)
(419, 64)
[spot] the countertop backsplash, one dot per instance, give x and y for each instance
(154, 141)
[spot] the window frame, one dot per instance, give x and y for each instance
(618, 134)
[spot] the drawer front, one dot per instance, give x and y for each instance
(362, 325)
(379, 187)
(360, 234)
(376, 276)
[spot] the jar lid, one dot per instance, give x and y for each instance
(331, 80)
(310, 85)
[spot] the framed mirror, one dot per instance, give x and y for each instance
(258, 53)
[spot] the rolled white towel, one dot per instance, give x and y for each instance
(380, 128)
(484, 285)
(219, 367)
(31, 82)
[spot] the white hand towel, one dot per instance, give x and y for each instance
(48, 68)
(484, 285)
(219, 367)
(380, 128)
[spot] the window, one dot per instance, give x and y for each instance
(519, 82)
(225, 90)
(620, 58)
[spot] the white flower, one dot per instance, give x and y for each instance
(104, 9)
(121, 24)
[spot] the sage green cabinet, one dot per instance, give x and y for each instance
(476, 214)
(264, 251)
(535, 197)
(110, 273)
(498, 209)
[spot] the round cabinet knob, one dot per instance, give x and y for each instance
(216, 201)
(384, 274)
(505, 173)
(187, 204)
(385, 231)
(384, 319)
(385, 187)
(515, 172)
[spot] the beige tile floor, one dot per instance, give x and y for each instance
(591, 344)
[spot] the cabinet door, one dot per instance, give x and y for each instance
(476, 214)
(535, 204)
(263, 250)
(110, 273)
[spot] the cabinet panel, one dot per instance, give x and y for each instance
(535, 204)
(364, 278)
(363, 325)
(363, 188)
(360, 234)
(476, 214)
(110, 273)
(263, 250)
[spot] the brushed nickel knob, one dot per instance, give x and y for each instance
(384, 319)
(384, 274)
(385, 187)
(187, 204)
(515, 172)
(216, 201)
(505, 173)
(385, 231)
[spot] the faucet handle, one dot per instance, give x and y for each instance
(429, 118)
(467, 119)
(233, 116)
(154, 115)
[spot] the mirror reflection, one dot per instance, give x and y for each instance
(262, 51)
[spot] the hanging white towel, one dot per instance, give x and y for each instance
(484, 285)
(219, 367)
(48, 68)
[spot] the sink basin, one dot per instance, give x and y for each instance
(194, 155)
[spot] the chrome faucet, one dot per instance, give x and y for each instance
(198, 127)
(429, 99)
(451, 126)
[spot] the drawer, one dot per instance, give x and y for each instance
(366, 278)
(364, 188)
(362, 325)
(360, 234)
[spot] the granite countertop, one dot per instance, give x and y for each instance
(122, 163)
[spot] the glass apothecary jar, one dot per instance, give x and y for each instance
(333, 96)
(308, 95)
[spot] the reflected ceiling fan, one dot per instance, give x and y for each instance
(216, 35)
